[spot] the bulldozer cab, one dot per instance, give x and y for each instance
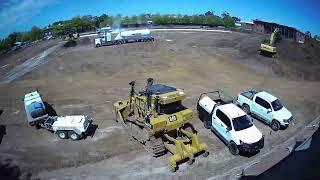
(159, 106)
(166, 107)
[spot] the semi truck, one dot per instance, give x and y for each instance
(113, 37)
(73, 127)
(234, 127)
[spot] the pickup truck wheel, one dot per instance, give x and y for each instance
(275, 125)
(206, 124)
(62, 134)
(37, 125)
(190, 161)
(233, 148)
(74, 136)
(205, 154)
(173, 169)
(246, 108)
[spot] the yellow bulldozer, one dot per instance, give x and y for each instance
(268, 46)
(156, 118)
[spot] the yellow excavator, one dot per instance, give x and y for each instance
(268, 47)
(156, 118)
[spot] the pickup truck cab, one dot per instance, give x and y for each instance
(265, 107)
(230, 123)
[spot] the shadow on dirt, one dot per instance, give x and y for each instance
(268, 54)
(10, 171)
(2, 129)
(247, 154)
(2, 132)
(91, 131)
(50, 110)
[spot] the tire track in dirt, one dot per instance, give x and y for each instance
(28, 65)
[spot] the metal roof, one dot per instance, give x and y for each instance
(276, 24)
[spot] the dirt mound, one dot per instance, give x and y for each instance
(299, 60)
(294, 61)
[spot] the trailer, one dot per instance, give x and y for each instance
(121, 37)
(73, 127)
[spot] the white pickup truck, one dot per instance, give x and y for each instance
(229, 122)
(64, 126)
(265, 107)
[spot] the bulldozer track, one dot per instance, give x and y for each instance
(154, 146)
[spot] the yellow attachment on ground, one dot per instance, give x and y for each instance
(195, 147)
(185, 150)
(180, 153)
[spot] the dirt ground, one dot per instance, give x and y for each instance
(87, 80)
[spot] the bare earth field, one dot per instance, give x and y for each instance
(87, 80)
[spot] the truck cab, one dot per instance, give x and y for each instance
(230, 123)
(35, 108)
(265, 107)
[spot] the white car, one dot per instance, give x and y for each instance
(265, 107)
(230, 123)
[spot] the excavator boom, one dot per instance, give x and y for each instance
(269, 47)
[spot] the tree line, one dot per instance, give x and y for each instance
(89, 23)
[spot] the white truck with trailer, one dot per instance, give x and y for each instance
(112, 37)
(265, 107)
(73, 127)
(229, 122)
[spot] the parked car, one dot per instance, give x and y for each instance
(265, 107)
(230, 123)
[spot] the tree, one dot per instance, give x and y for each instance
(228, 21)
(308, 34)
(208, 13)
(14, 37)
(157, 19)
(57, 29)
(225, 14)
(236, 19)
(142, 19)
(5, 44)
(36, 33)
(26, 36)
(214, 21)
(186, 20)
(76, 24)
